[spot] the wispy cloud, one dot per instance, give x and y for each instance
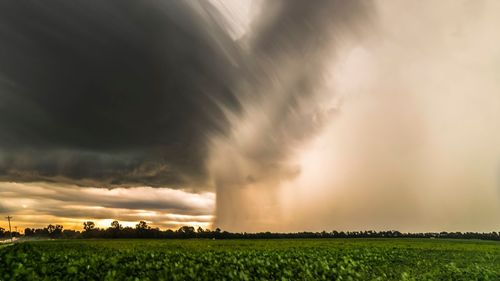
(37, 204)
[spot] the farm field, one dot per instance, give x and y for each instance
(298, 259)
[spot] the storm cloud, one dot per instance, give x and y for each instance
(128, 93)
(292, 115)
(112, 93)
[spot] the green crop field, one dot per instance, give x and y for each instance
(299, 259)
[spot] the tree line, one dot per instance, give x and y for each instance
(143, 230)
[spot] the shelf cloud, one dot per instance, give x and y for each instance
(111, 93)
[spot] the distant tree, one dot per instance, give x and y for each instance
(116, 225)
(69, 233)
(142, 229)
(88, 226)
(142, 225)
(115, 229)
(50, 228)
(41, 232)
(186, 230)
(57, 231)
(128, 232)
(29, 231)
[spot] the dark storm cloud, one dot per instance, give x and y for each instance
(111, 92)
(126, 93)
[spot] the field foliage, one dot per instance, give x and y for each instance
(299, 259)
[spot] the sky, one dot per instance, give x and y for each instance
(251, 115)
